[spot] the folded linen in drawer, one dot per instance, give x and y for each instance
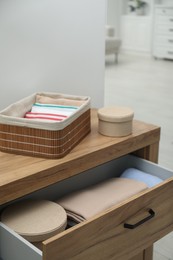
(92, 200)
(138, 175)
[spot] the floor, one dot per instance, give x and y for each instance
(146, 85)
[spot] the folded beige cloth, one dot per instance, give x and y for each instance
(90, 201)
(59, 101)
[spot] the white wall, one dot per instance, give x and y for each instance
(51, 45)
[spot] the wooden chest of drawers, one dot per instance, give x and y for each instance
(103, 237)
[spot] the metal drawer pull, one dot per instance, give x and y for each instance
(171, 20)
(171, 30)
(170, 40)
(132, 226)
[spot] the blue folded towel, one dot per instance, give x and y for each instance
(132, 173)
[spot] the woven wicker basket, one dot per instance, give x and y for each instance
(24, 136)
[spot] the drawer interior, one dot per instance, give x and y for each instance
(9, 239)
(14, 247)
(100, 173)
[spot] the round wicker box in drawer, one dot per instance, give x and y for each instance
(35, 220)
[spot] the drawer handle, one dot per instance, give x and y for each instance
(170, 52)
(170, 40)
(132, 226)
(171, 20)
(171, 30)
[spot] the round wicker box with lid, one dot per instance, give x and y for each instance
(35, 220)
(115, 121)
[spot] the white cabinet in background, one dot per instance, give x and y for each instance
(163, 32)
(136, 33)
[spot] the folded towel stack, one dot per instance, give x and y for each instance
(60, 101)
(50, 112)
(86, 203)
(54, 109)
(135, 174)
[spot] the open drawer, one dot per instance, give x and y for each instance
(104, 236)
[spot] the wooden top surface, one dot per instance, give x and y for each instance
(21, 175)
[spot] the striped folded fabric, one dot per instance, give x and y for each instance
(50, 112)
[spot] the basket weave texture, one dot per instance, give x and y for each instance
(44, 143)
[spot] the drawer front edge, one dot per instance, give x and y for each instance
(105, 237)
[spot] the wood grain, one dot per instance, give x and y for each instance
(139, 256)
(21, 175)
(148, 253)
(105, 237)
